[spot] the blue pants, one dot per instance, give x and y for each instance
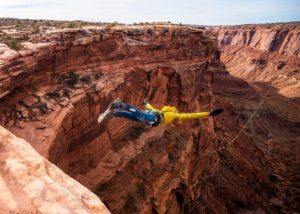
(127, 111)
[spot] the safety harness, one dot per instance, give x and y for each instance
(159, 119)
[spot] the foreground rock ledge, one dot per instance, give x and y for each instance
(31, 184)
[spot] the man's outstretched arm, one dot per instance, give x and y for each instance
(199, 114)
(183, 116)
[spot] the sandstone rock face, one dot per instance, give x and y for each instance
(263, 53)
(267, 57)
(136, 169)
(282, 39)
(31, 184)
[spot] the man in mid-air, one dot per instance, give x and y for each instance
(151, 116)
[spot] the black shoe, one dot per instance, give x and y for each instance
(216, 112)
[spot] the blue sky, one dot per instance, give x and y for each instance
(202, 12)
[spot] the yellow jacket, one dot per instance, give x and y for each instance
(171, 113)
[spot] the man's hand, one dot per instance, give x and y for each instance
(216, 112)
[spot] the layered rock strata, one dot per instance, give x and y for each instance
(55, 92)
(31, 184)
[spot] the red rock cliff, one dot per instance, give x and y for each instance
(280, 38)
(54, 91)
(263, 53)
(267, 57)
(31, 184)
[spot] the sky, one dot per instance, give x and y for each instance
(200, 12)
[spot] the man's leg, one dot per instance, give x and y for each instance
(144, 117)
(121, 106)
(125, 114)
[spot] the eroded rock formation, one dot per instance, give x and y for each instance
(55, 89)
(31, 184)
(264, 53)
(267, 57)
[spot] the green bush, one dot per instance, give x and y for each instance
(12, 43)
(66, 92)
(53, 94)
(35, 29)
(71, 25)
(73, 78)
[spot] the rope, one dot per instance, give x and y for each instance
(233, 139)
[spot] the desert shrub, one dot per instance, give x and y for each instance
(72, 78)
(35, 29)
(42, 107)
(71, 25)
(48, 23)
(12, 43)
(86, 79)
(83, 24)
(110, 25)
(19, 25)
(66, 92)
(25, 38)
(53, 94)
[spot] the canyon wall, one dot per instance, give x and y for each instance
(267, 57)
(164, 64)
(268, 53)
(278, 38)
(55, 87)
(31, 184)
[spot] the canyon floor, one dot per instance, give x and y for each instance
(57, 77)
